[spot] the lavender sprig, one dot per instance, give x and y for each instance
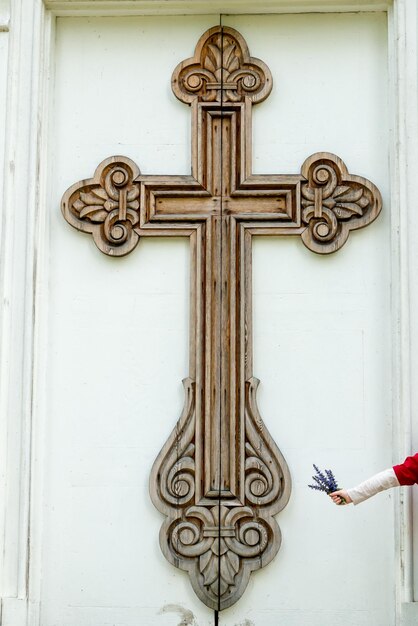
(324, 481)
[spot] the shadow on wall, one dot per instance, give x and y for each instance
(187, 617)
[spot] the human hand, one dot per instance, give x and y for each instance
(340, 497)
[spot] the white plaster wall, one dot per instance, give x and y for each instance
(117, 347)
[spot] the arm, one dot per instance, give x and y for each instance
(407, 472)
(363, 491)
(404, 474)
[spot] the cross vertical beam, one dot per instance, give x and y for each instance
(220, 478)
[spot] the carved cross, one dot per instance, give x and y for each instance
(220, 478)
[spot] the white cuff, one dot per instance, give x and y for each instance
(379, 482)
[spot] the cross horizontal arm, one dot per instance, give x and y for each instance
(273, 198)
(174, 199)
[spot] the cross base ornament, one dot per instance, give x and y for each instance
(220, 478)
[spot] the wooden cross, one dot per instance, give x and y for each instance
(220, 478)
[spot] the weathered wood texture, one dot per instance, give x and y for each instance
(220, 478)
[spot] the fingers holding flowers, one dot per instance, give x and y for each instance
(340, 497)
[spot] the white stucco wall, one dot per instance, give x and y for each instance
(117, 332)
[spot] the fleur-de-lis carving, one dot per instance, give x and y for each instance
(107, 206)
(221, 71)
(221, 545)
(334, 202)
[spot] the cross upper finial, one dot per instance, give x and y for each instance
(221, 71)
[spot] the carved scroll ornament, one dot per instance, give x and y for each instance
(220, 478)
(221, 71)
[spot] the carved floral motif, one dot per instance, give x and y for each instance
(334, 202)
(174, 476)
(107, 206)
(222, 71)
(219, 542)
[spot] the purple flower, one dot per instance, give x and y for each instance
(324, 481)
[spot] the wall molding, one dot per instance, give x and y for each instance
(22, 248)
(178, 7)
(404, 160)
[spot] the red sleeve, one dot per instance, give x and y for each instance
(407, 472)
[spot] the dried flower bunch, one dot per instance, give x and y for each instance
(324, 481)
